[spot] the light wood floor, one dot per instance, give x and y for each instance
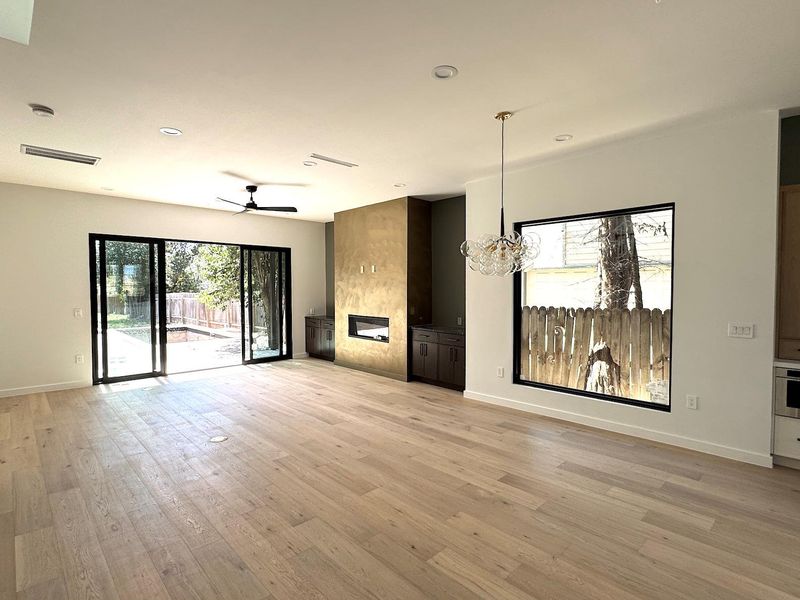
(337, 484)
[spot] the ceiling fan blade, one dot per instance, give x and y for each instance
(278, 208)
(238, 176)
(240, 212)
(264, 183)
(229, 201)
(282, 184)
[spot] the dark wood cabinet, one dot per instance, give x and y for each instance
(320, 337)
(425, 359)
(437, 357)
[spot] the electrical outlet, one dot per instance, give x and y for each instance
(692, 402)
(501, 372)
(79, 359)
(741, 330)
(77, 313)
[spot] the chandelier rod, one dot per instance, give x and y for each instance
(502, 116)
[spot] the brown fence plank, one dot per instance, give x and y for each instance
(636, 357)
(658, 351)
(574, 364)
(558, 337)
(625, 352)
(615, 323)
(551, 346)
(569, 330)
(644, 352)
(542, 356)
(525, 344)
(597, 320)
(533, 327)
(666, 340)
(586, 341)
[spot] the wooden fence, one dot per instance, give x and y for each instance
(556, 345)
(187, 309)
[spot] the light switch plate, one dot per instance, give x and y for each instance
(742, 330)
(692, 401)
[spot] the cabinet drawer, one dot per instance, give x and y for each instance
(327, 323)
(451, 339)
(787, 437)
(422, 335)
(788, 348)
(312, 321)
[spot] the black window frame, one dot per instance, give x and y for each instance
(517, 312)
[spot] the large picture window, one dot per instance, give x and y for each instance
(593, 313)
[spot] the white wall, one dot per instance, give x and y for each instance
(44, 271)
(722, 175)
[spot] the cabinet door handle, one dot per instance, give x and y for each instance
(455, 354)
(426, 349)
(451, 355)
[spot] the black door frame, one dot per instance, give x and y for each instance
(158, 299)
(157, 295)
(284, 275)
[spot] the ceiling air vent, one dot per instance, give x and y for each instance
(335, 161)
(83, 159)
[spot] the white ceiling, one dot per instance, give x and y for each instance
(257, 86)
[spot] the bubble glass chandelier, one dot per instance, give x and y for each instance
(506, 253)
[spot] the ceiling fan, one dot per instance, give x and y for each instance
(251, 205)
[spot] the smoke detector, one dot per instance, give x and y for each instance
(40, 110)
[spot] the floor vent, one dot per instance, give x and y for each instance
(335, 161)
(83, 159)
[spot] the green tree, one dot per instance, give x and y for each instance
(219, 270)
(182, 267)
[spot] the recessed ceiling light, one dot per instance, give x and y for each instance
(444, 72)
(399, 185)
(40, 110)
(309, 163)
(171, 131)
(564, 137)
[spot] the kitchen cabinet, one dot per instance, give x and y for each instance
(321, 337)
(438, 356)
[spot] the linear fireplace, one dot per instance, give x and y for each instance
(369, 328)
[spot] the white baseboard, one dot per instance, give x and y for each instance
(38, 389)
(753, 458)
(300, 355)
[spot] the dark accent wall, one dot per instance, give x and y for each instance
(790, 151)
(448, 228)
(330, 295)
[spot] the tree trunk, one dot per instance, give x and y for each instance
(602, 373)
(618, 263)
(265, 273)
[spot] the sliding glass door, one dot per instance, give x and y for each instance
(126, 321)
(165, 306)
(267, 303)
